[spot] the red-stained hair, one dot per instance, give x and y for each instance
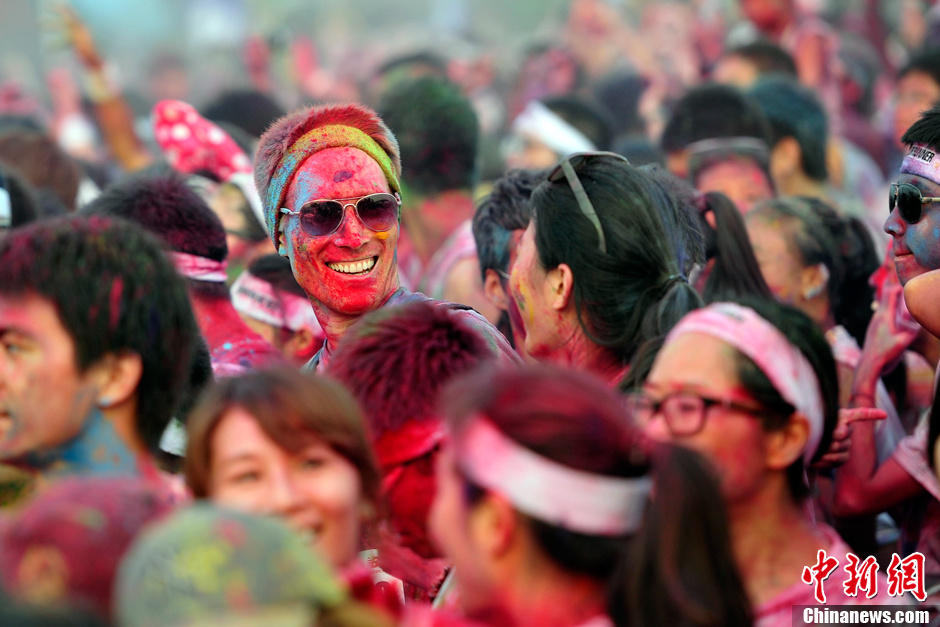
(396, 360)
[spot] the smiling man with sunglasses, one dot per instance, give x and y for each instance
(329, 180)
(914, 201)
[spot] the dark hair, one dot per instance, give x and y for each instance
(592, 120)
(423, 344)
(619, 93)
(164, 204)
(710, 111)
(668, 571)
(41, 162)
(636, 290)
(735, 271)
(804, 334)
(767, 57)
(294, 410)
(795, 111)
(437, 133)
(926, 130)
(23, 202)
(842, 245)
(925, 61)
(115, 291)
(504, 210)
(248, 109)
(275, 270)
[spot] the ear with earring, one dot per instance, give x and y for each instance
(105, 402)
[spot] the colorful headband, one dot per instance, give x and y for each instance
(199, 268)
(538, 121)
(921, 160)
(258, 299)
(556, 494)
(320, 138)
(787, 368)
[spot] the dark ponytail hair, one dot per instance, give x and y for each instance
(638, 289)
(735, 271)
(670, 571)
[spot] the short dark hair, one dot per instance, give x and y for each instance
(767, 57)
(43, 163)
(795, 111)
(425, 345)
(592, 120)
(504, 210)
(165, 205)
(926, 130)
(114, 291)
(247, 109)
(437, 132)
(276, 270)
(710, 111)
(926, 61)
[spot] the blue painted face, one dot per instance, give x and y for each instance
(916, 246)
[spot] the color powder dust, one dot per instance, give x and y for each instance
(381, 234)
(342, 175)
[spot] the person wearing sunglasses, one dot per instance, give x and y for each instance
(601, 267)
(328, 177)
(913, 220)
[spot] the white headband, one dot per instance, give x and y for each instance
(787, 368)
(257, 299)
(921, 161)
(199, 268)
(576, 500)
(538, 121)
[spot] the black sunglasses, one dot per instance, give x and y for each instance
(909, 200)
(568, 168)
(378, 212)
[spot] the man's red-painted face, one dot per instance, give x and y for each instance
(354, 269)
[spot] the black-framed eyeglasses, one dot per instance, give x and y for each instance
(378, 212)
(683, 412)
(568, 168)
(909, 200)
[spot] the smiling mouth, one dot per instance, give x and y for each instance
(353, 267)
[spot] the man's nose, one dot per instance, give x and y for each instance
(351, 232)
(895, 225)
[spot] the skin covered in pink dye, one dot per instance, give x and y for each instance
(916, 248)
(340, 298)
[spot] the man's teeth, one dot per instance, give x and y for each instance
(353, 268)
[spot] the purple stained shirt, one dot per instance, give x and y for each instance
(503, 352)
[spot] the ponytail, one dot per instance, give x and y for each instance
(679, 568)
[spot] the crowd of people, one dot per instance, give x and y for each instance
(630, 340)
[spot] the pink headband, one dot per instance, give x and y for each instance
(579, 501)
(199, 268)
(921, 160)
(787, 368)
(257, 299)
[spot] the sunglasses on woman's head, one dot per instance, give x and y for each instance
(568, 169)
(377, 212)
(909, 200)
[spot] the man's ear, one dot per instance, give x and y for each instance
(786, 159)
(117, 377)
(814, 280)
(281, 237)
(785, 446)
(561, 283)
(300, 343)
(493, 289)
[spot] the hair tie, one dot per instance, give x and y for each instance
(676, 278)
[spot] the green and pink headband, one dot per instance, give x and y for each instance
(320, 138)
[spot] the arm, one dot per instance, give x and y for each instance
(114, 116)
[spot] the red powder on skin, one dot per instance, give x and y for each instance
(342, 175)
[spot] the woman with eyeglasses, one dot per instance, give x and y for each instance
(601, 268)
(555, 512)
(754, 389)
